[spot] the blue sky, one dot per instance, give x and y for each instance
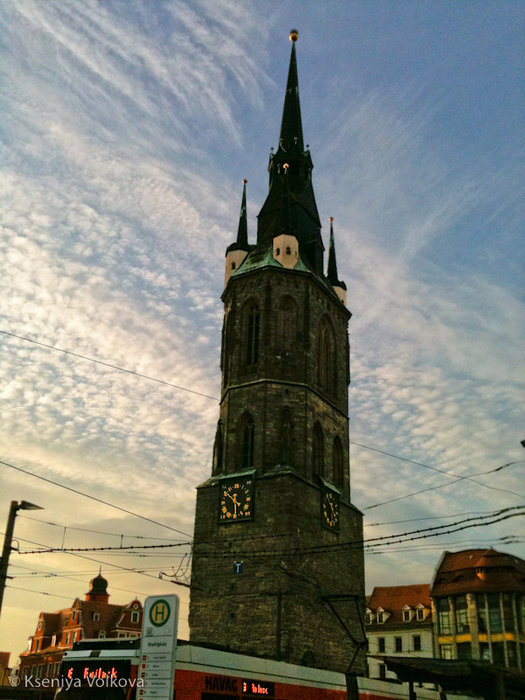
(126, 131)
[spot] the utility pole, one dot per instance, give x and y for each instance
(8, 539)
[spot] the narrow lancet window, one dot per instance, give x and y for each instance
(252, 344)
(326, 357)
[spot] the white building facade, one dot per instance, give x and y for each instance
(398, 623)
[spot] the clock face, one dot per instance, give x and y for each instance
(236, 502)
(330, 510)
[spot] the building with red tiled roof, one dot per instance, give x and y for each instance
(398, 622)
(479, 599)
(92, 618)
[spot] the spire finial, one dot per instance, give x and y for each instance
(291, 136)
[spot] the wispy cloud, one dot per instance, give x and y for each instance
(122, 131)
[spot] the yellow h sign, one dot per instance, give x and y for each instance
(159, 613)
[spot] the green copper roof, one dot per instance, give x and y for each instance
(262, 256)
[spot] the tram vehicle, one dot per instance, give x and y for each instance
(110, 670)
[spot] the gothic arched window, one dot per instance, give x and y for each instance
(337, 463)
(326, 356)
(252, 335)
(218, 449)
(318, 450)
(247, 441)
(286, 323)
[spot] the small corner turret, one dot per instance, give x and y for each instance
(286, 250)
(331, 274)
(236, 252)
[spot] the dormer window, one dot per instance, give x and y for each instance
(420, 613)
(380, 618)
(406, 615)
(134, 616)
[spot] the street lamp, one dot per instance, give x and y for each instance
(6, 551)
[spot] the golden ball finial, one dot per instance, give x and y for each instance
(244, 181)
(294, 35)
(331, 218)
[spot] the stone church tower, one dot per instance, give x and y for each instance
(278, 555)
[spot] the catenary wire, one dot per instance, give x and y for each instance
(96, 532)
(93, 498)
(449, 483)
(107, 364)
(465, 524)
(48, 346)
(186, 534)
(99, 561)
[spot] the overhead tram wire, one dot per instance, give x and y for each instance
(415, 520)
(107, 364)
(449, 483)
(93, 498)
(68, 577)
(124, 549)
(241, 539)
(48, 346)
(104, 563)
(435, 531)
(30, 590)
(456, 477)
(95, 532)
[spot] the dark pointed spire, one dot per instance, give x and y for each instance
(242, 232)
(290, 205)
(332, 262)
(291, 136)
